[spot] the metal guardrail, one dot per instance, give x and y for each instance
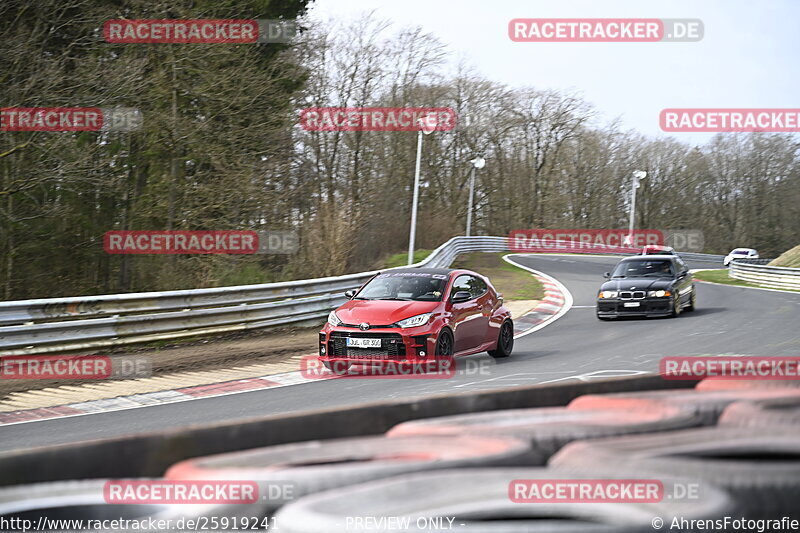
(752, 261)
(766, 276)
(66, 324)
(711, 258)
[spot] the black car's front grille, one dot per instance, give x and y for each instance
(632, 295)
(392, 346)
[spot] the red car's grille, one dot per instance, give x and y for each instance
(391, 345)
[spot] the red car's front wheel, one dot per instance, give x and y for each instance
(444, 343)
(505, 341)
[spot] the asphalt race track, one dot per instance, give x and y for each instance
(729, 320)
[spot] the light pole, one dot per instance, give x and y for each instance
(426, 126)
(637, 176)
(478, 162)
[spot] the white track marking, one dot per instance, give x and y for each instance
(567, 295)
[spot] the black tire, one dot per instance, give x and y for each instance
(478, 501)
(707, 406)
(720, 384)
(550, 428)
(505, 341)
(759, 469)
(444, 344)
(315, 466)
(693, 301)
(338, 367)
(676, 306)
(604, 318)
(760, 413)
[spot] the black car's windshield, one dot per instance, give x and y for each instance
(412, 286)
(644, 268)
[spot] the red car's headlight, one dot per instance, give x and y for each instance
(415, 321)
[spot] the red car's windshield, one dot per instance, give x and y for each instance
(404, 286)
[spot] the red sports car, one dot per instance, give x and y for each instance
(412, 315)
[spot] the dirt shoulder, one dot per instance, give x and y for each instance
(210, 353)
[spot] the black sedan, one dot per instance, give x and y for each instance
(652, 285)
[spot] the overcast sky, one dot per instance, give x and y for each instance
(747, 59)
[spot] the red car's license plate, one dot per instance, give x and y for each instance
(363, 343)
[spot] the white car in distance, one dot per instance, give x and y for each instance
(740, 253)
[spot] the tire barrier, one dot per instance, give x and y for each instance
(479, 501)
(714, 384)
(84, 500)
(706, 405)
(315, 466)
(760, 470)
(548, 429)
(755, 467)
(760, 413)
(150, 454)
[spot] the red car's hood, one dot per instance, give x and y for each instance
(382, 312)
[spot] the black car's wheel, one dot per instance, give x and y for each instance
(505, 341)
(676, 306)
(606, 318)
(444, 343)
(337, 367)
(692, 301)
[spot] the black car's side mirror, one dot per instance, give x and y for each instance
(607, 275)
(350, 294)
(461, 296)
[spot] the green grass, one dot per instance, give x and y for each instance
(789, 258)
(512, 282)
(721, 276)
(401, 259)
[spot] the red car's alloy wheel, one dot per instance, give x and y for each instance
(444, 344)
(505, 341)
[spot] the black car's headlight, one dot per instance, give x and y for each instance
(608, 294)
(658, 294)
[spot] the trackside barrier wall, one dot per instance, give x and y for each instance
(767, 276)
(150, 454)
(90, 322)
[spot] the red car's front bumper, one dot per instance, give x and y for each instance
(398, 345)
